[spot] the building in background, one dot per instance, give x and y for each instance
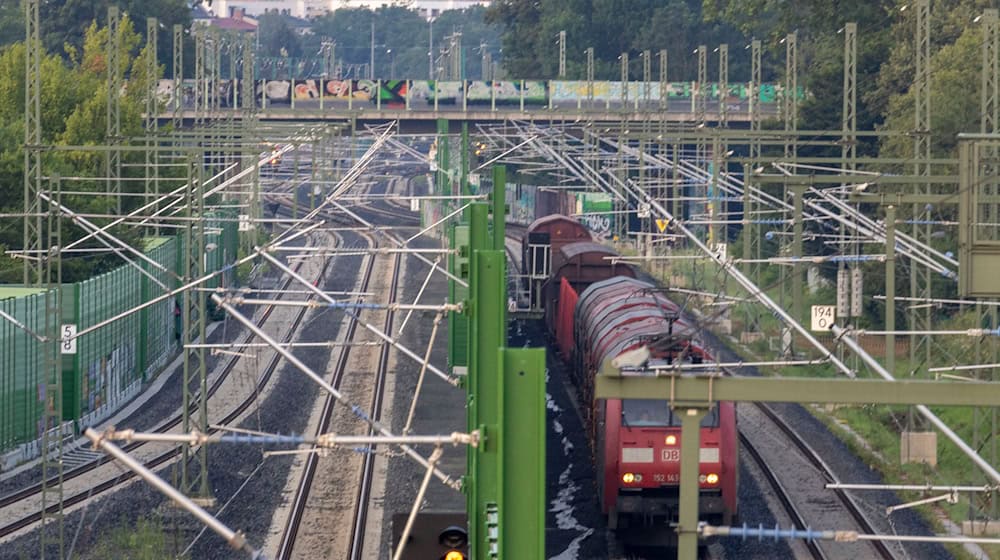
(430, 9)
(309, 9)
(237, 21)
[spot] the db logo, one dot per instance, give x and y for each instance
(670, 455)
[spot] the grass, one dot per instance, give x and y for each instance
(146, 540)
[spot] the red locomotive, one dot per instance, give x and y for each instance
(596, 310)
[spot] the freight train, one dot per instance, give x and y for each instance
(596, 309)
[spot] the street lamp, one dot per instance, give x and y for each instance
(392, 64)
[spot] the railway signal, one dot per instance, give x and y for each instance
(434, 536)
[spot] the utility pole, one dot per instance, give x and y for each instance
(112, 160)
(664, 84)
(505, 480)
(647, 74)
(624, 77)
(700, 110)
(590, 76)
(38, 271)
(430, 49)
(456, 56)
(562, 55)
(152, 168)
(250, 158)
(371, 65)
(755, 79)
(984, 420)
(791, 112)
(195, 484)
(849, 304)
(723, 85)
(178, 75)
(52, 438)
(791, 97)
(721, 147)
(890, 288)
(701, 95)
(329, 55)
(751, 235)
(920, 277)
(32, 269)
(199, 79)
(486, 61)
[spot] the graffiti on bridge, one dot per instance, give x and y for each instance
(399, 93)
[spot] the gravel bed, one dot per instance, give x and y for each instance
(574, 525)
(229, 466)
(286, 410)
(168, 400)
(440, 409)
(847, 467)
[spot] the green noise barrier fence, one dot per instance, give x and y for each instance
(21, 382)
(112, 362)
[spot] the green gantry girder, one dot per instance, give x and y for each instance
(505, 480)
(692, 395)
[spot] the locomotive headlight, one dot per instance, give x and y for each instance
(671, 440)
(628, 478)
(712, 478)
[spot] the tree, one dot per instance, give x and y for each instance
(522, 43)
(277, 39)
(64, 24)
(402, 38)
(955, 85)
(949, 20)
(11, 23)
(74, 112)
(531, 28)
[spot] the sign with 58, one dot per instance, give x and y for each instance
(67, 338)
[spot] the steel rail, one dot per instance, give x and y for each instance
(813, 457)
(368, 466)
(782, 494)
(163, 427)
(292, 525)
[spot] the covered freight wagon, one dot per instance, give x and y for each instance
(545, 237)
(581, 264)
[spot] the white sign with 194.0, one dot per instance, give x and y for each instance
(823, 317)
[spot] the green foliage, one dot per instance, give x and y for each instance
(11, 22)
(66, 23)
(886, 59)
(147, 540)
(276, 37)
(531, 29)
(73, 112)
(955, 86)
(402, 39)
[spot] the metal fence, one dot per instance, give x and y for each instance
(21, 380)
(112, 362)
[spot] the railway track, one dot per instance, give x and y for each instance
(292, 526)
(92, 462)
(362, 498)
(805, 502)
(365, 488)
(793, 506)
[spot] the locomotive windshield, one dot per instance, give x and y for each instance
(655, 412)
